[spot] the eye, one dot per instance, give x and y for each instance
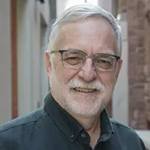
(73, 60)
(102, 61)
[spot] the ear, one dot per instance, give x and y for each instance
(119, 66)
(48, 63)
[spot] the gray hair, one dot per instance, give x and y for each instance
(80, 12)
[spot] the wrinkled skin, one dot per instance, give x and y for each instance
(92, 35)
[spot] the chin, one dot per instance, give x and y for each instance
(86, 108)
(86, 113)
(85, 105)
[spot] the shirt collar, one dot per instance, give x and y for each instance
(106, 127)
(70, 126)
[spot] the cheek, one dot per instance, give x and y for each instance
(107, 78)
(69, 74)
(65, 74)
(62, 73)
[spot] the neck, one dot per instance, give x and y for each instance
(92, 126)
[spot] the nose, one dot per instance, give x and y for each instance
(87, 72)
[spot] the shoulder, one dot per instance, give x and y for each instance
(126, 134)
(21, 128)
(24, 120)
(118, 127)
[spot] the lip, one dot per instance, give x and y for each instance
(85, 90)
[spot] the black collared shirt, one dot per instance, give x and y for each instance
(52, 128)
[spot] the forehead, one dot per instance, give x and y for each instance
(92, 34)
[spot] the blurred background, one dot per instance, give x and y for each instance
(24, 30)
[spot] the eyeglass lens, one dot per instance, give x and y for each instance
(76, 59)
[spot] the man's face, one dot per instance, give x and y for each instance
(86, 91)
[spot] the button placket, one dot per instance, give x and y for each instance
(83, 135)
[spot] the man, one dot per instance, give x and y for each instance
(82, 63)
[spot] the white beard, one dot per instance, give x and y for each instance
(79, 104)
(88, 106)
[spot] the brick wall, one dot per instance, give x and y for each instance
(147, 61)
(139, 61)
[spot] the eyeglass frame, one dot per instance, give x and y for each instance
(102, 54)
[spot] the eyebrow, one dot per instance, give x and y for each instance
(107, 52)
(78, 50)
(74, 49)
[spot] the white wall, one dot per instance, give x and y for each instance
(60, 6)
(24, 56)
(109, 5)
(106, 4)
(120, 96)
(5, 61)
(29, 14)
(44, 83)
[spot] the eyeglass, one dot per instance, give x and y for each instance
(75, 59)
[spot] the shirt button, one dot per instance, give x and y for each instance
(72, 136)
(83, 135)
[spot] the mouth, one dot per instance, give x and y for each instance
(84, 90)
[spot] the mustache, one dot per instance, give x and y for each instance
(81, 84)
